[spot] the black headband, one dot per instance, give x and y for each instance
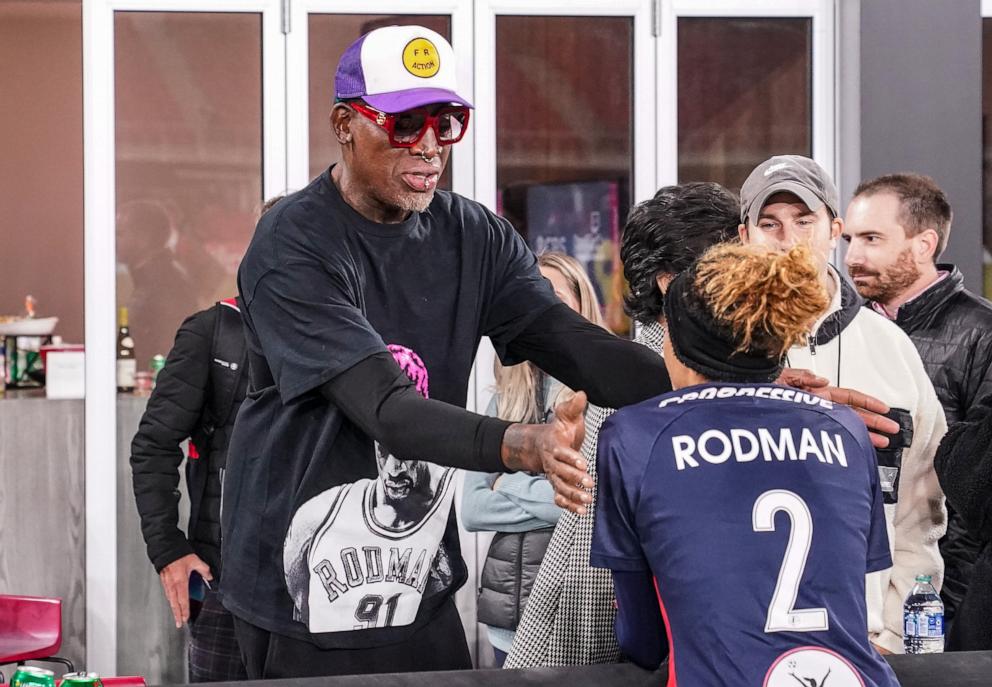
(706, 345)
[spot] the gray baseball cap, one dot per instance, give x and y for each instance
(793, 174)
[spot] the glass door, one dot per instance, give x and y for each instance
(566, 127)
(566, 132)
(565, 112)
(42, 542)
(184, 107)
(740, 82)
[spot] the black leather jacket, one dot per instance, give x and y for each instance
(952, 330)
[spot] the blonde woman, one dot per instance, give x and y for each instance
(520, 507)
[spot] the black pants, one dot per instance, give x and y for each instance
(440, 645)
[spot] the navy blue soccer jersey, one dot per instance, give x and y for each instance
(758, 511)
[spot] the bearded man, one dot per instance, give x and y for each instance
(896, 227)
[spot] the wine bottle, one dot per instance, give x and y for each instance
(127, 364)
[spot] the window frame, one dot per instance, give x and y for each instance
(99, 200)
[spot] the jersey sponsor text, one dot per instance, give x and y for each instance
(775, 393)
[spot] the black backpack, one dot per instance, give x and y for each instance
(229, 357)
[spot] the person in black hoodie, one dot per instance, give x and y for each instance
(964, 466)
(897, 227)
(196, 396)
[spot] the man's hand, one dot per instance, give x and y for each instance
(175, 582)
(553, 449)
(869, 408)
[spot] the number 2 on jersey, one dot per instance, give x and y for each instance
(782, 614)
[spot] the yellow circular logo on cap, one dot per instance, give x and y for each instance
(421, 59)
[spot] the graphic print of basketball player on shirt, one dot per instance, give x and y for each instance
(361, 555)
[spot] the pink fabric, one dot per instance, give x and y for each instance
(412, 365)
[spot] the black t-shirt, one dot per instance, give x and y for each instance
(322, 541)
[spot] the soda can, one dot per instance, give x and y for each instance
(30, 675)
(81, 680)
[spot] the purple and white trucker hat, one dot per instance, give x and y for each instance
(397, 68)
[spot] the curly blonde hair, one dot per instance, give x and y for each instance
(768, 300)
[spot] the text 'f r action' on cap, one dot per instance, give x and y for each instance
(397, 68)
(794, 174)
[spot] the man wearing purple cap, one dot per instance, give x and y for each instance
(371, 258)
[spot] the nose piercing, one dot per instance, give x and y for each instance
(425, 158)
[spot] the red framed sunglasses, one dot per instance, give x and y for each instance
(405, 129)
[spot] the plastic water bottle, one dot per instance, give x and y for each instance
(923, 619)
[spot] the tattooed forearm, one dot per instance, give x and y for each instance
(520, 449)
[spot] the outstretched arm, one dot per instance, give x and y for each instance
(378, 397)
(613, 372)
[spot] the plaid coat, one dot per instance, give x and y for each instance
(569, 617)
